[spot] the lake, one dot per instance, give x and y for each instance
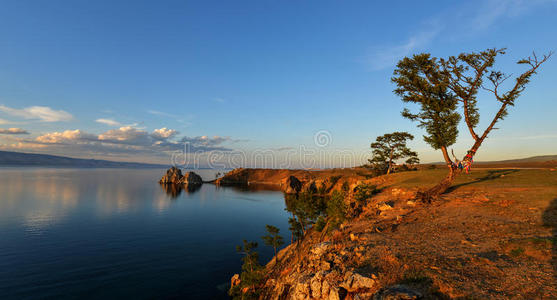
(117, 233)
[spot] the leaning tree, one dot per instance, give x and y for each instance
(443, 87)
(391, 147)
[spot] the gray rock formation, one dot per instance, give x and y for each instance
(172, 176)
(191, 179)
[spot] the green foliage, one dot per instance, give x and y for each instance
(420, 80)
(251, 258)
(438, 86)
(364, 192)
(320, 223)
(252, 273)
(305, 209)
(295, 228)
(273, 238)
(413, 160)
(391, 147)
(336, 209)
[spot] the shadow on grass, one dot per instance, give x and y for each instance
(491, 175)
(550, 220)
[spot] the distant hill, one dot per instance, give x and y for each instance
(29, 159)
(542, 161)
(541, 158)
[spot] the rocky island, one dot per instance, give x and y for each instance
(174, 176)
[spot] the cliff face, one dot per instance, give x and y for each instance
(339, 264)
(295, 181)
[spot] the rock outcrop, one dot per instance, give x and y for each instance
(321, 182)
(191, 179)
(292, 185)
(174, 176)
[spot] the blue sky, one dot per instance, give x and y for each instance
(128, 80)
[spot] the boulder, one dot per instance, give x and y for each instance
(235, 280)
(355, 282)
(383, 206)
(320, 249)
(191, 179)
(172, 176)
(292, 185)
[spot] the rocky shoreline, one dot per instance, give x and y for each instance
(389, 247)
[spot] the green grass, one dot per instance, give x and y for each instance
(482, 178)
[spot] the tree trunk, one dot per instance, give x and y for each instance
(390, 162)
(431, 194)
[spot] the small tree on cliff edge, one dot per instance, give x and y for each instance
(441, 86)
(391, 147)
(273, 239)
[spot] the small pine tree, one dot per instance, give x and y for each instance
(336, 209)
(389, 148)
(251, 275)
(273, 239)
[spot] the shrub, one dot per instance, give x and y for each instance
(364, 192)
(336, 209)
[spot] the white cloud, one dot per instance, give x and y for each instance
(13, 131)
(205, 140)
(108, 122)
(163, 133)
(41, 113)
(67, 136)
(493, 10)
(124, 141)
(384, 57)
(162, 114)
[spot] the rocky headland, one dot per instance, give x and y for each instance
(483, 240)
(491, 237)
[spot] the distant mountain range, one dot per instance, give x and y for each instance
(14, 159)
(43, 160)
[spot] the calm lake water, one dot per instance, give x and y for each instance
(116, 233)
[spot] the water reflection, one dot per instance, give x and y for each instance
(174, 190)
(67, 232)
